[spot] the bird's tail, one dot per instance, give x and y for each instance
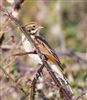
(60, 76)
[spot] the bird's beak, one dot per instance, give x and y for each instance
(41, 27)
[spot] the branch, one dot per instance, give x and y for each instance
(23, 53)
(38, 74)
(74, 55)
(65, 89)
(82, 94)
(18, 86)
(70, 53)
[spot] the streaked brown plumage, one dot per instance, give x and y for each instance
(51, 57)
(42, 44)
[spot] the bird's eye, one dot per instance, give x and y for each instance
(29, 30)
(33, 26)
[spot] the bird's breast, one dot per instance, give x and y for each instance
(26, 44)
(29, 48)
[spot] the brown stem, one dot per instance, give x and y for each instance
(23, 53)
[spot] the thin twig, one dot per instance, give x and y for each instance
(23, 53)
(19, 87)
(33, 84)
(38, 74)
(74, 55)
(82, 94)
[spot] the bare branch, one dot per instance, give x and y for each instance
(65, 90)
(18, 85)
(82, 94)
(23, 53)
(74, 55)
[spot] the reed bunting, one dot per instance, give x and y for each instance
(34, 29)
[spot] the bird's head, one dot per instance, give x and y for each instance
(33, 28)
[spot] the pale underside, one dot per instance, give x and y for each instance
(29, 48)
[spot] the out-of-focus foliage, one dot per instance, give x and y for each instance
(65, 28)
(66, 16)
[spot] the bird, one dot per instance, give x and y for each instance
(33, 30)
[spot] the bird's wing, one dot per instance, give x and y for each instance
(45, 48)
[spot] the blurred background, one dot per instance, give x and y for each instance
(65, 28)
